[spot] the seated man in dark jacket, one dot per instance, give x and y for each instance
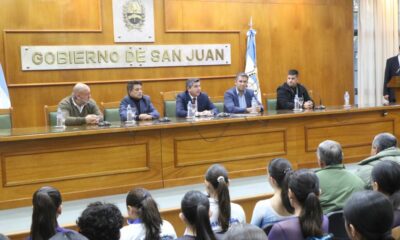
(287, 92)
(193, 93)
(138, 102)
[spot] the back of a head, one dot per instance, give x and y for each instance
(195, 207)
(101, 221)
(217, 176)
(387, 175)
(384, 141)
(45, 201)
(304, 184)
(278, 169)
(371, 214)
(142, 200)
(245, 231)
(330, 153)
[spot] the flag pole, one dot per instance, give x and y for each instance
(251, 23)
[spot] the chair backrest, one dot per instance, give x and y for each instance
(110, 111)
(270, 101)
(6, 118)
(336, 225)
(169, 100)
(218, 102)
(50, 115)
(396, 233)
(267, 228)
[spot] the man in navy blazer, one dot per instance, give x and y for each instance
(138, 102)
(193, 93)
(392, 69)
(238, 99)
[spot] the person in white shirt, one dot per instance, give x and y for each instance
(223, 212)
(144, 219)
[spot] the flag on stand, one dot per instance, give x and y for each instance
(251, 63)
(4, 96)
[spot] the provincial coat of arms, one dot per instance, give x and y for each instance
(134, 14)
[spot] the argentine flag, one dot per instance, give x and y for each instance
(251, 64)
(4, 96)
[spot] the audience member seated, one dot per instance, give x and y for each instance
(303, 191)
(278, 207)
(384, 147)
(238, 99)
(195, 209)
(139, 103)
(194, 95)
(386, 179)
(224, 213)
(245, 231)
(144, 219)
(368, 215)
(287, 92)
(79, 108)
(336, 183)
(46, 209)
(67, 236)
(101, 221)
(3, 237)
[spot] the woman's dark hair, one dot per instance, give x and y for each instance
(371, 214)
(304, 184)
(141, 199)
(100, 221)
(195, 207)
(279, 169)
(45, 203)
(387, 175)
(245, 231)
(217, 176)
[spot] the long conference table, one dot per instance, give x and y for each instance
(88, 161)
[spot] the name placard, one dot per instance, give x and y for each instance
(122, 56)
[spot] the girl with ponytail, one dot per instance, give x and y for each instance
(368, 215)
(303, 192)
(224, 213)
(144, 219)
(46, 208)
(276, 208)
(195, 209)
(386, 179)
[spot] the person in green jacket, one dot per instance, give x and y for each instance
(79, 108)
(384, 147)
(336, 183)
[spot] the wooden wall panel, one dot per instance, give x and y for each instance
(312, 36)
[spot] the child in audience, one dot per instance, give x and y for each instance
(144, 219)
(278, 207)
(195, 209)
(46, 208)
(368, 216)
(245, 231)
(303, 194)
(223, 212)
(386, 179)
(101, 221)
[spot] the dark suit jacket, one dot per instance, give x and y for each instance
(231, 101)
(203, 103)
(392, 69)
(145, 107)
(286, 94)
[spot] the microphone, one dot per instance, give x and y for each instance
(398, 70)
(321, 106)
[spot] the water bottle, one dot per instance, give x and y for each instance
(254, 105)
(129, 113)
(60, 118)
(346, 99)
(189, 110)
(296, 103)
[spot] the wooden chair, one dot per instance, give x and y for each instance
(218, 102)
(50, 115)
(6, 118)
(169, 100)
(110, 111)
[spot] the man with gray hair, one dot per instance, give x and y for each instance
(384, 147)
(336, 183)
(79, 108)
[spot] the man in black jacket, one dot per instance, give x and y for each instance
(392, 69)
(287, 91)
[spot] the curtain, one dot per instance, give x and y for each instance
(378, 36)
